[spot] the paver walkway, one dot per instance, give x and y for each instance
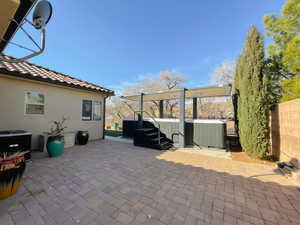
(114, 183)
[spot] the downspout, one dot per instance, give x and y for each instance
(104, 109)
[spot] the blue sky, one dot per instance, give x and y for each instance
(114, 43)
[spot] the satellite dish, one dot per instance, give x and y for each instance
(42, 14)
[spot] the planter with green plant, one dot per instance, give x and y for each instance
(12, 167)
(55, 142)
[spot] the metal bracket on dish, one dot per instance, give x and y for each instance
(40, 17)
(34, 53)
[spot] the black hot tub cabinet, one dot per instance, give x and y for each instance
(206, 133)
(15, 141)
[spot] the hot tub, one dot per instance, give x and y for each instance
(206, 133)
(15, 140)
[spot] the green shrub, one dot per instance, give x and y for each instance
(290, 88)
(113, 133)
(252, 90)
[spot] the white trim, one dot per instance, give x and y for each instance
(85, 118)
(100, 110)
(42, 104)
(92, 116)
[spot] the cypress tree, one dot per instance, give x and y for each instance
(252, 100)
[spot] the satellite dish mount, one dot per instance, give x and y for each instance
(41, 16)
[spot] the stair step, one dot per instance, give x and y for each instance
(165, 143)
(152, 134)
(148, 137)
(165, 147)
(145, 129)
(156, 139)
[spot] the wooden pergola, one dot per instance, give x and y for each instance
(182, 95)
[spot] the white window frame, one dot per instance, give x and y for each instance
(26, 103)
(91, 116)
(92, 111)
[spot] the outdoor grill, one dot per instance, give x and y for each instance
(15, 141)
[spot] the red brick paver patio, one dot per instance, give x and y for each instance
(111, 183)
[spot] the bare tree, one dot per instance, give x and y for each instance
(166, 80)
(223, 74)
(216, 108)
(209, 108)
(118, 109)
(171, 80)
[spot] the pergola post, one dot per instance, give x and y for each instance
(182, 118)
(195, 112)
(161, 108)
(140, 114)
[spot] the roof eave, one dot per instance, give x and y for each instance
(48, 80)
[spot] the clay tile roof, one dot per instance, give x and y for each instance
(35, 72)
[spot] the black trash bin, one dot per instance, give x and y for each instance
(82, 137)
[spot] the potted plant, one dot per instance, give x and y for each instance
(12, 167)
(55, 142)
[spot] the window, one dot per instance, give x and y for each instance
(34, 103)
(97, 110)
(91, 110)
(87, 110)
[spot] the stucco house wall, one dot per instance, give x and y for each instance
(59, 101)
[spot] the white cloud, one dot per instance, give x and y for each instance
(208, 59)
(118, 88)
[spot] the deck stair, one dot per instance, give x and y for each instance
(151, 136)
(148, 137)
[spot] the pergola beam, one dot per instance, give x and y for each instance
(202, 92)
